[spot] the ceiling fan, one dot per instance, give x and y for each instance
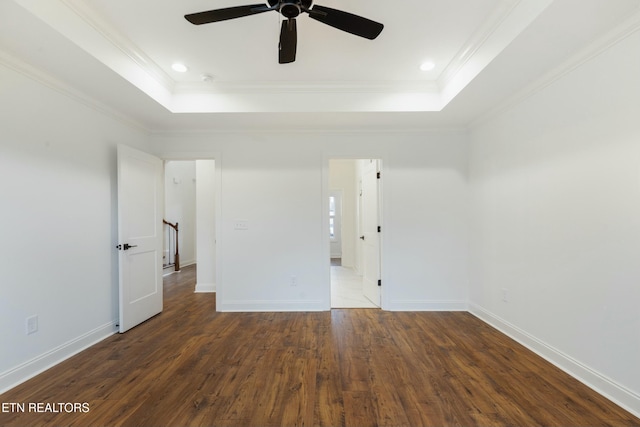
(290, 9)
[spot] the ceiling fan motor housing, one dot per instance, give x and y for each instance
(290, 8)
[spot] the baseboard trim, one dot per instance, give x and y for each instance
(271, 306)
(603, 385)
(27, 370)
(205, 288)
(426, 305)
(600, 383)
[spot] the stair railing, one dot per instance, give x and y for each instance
(176, 258)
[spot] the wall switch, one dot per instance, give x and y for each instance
(32, 325)
(240, 224)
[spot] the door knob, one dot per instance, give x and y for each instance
(361, 237)
(126, 246)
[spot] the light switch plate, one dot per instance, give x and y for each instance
(241, 224)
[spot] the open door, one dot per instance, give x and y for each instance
(140, 204)
(370, 233)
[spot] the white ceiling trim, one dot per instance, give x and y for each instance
(301, 102)
(625, 29)
(121, 42)
(506, 24)
(18, 65)
(308, 87)
(475, 42)
(94, 36)
(206, 133)
(75, 20)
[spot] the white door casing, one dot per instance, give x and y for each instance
(140, 239)
(370, 233)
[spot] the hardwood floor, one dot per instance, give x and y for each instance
(192, 366)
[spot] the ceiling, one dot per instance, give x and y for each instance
(119, 54)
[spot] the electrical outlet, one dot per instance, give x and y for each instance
(32, 325)
(293, 281)
(505, 295)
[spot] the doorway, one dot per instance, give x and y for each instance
(354, 236)
(190, 205)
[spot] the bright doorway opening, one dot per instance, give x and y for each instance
(190, 205)
(355, 232)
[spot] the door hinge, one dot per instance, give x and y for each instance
(379, 282)
(379, 229)
(378, 175)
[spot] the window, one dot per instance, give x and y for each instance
(332, 217)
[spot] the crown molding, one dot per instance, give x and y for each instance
(266, 87)
(12, 62)
(81, 25)
(88, 14)
(625, 29)
(391, 130)
(505, 26)
(475, 42)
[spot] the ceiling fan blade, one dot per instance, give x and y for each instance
(345, 21)
(218, 15)
(288, 41)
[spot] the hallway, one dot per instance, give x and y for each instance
(346, 289)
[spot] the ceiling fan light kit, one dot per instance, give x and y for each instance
(291, 9)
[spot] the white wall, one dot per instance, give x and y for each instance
(58, 218)
(278, 183)
(342, 176)
(206, 225)
(556, 221)
(180, 206)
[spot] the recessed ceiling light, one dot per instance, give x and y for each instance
(181, 68)
(427, 66)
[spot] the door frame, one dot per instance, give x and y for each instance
(371, 170)
(217, 157)
(383, 209)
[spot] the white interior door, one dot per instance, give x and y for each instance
(370, 234)
(140, 204)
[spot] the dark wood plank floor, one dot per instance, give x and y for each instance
(192, 366)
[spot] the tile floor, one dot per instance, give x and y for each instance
(346, 289)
